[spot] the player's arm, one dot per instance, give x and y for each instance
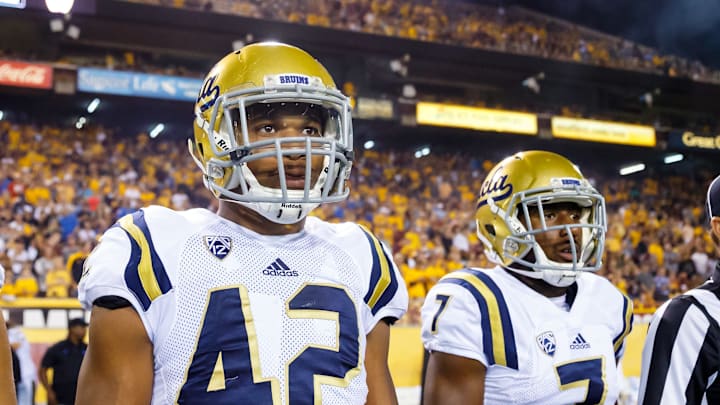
(118, 366)
(680, 354)
(7, 382)
(452, 379)
(381, 389)
(453, 333)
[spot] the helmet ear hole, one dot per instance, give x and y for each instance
(200, 149)
(490, 229)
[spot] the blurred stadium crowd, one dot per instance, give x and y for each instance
(60, 188)
(512, 29)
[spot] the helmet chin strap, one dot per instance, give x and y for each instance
(278, 212)
(555, 277)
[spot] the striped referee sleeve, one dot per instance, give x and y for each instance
(680, 360)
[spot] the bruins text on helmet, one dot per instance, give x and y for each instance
(257, 81)
(533, 180)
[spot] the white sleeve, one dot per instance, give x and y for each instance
(451, 322)
(623, 323)
(105, 274)
(385, 294)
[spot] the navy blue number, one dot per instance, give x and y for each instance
(225, 368)
(584, 373)
(443, 303)
(339, 364)
(224, 335)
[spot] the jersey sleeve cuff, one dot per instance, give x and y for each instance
(96, 292)
(434, 346)
(386, 312)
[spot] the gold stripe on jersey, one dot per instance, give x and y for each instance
(145, 269)
(498, 334)
(385, 269)
(628, 323)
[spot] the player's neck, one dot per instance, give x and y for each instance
(250, 219)
(540, 286)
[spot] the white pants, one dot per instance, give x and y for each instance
(25, 393)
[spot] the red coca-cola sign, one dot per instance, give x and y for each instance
(21, 74)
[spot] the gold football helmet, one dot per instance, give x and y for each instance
(535, 179)
(269, 76)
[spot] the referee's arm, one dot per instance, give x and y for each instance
(680, 357)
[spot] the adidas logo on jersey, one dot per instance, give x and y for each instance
(579, 343)
(279, 268)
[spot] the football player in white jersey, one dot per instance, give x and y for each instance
(257, 303)
(540, 328)
(7, 382)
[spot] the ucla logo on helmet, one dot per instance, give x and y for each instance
(497, 184)
(219, 246)
(547, 343)
(209, 93)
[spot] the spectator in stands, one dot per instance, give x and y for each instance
(64, 358)
(58, 280)
(7, 293)
(26, 285)
(7, 359)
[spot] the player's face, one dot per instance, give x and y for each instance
(285, 120)
(556, 243)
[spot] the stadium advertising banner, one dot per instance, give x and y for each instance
(21, 74)
(12, 3)
(603, 131)
(691, 140)
(106, 81)
(481, 119)
(370, 108)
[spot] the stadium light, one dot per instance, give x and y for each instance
(2, 114)
(624, 171)
(59, 6)
(423, 151)
(673, 158)
(93, 105)
(156, 131)
(73, 32)
(80, 122)
(369, 144)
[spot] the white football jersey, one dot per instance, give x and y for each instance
(535, 352)
(238, 317)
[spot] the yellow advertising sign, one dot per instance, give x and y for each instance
(603, 131)
(691, 140)
(482, 119)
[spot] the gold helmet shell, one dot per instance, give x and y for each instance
(537, 179)
(266, 73)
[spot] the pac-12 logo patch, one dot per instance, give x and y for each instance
(219, 246)
(547, 343)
